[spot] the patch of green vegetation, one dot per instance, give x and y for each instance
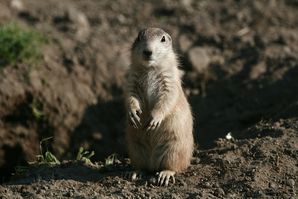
(19, 45)
(112, 159)
(84, 156)
(36, 109)
(46, 158)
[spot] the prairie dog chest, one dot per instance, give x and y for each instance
(150, 84)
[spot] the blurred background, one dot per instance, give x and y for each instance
(63, 65)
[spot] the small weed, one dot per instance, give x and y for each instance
(36, 109)
(46, 158)
(84, 155)
(112, 159)
(18, 45)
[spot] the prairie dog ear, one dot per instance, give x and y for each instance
(136, 41)
(169, 37)
(140, 35)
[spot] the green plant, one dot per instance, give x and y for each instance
(46, 158)
(36, 109)
(84, 155)
(18, 45)
(111, 159)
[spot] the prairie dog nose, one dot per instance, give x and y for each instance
(147, 53)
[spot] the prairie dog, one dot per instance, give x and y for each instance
(159, 135)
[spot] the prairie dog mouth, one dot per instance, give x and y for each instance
(147, 58)
(149, 62)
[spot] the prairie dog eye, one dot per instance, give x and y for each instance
(163, 39)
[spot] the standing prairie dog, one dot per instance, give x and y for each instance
(159, 136)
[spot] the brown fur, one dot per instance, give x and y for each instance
(155, 90)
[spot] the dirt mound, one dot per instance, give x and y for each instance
(240, 63)
(264, 166)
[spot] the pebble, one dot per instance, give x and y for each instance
(82, 23)
(207, 185)
(219, 192)
(258, 70)
(152, 181)
(17, 5)
(291, 182)
(272, 185)
(174, 196)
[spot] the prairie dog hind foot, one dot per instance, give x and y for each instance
(164, 177)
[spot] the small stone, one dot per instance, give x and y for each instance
(175, 196)
(82, 23)
(219, 192)
(199, 59)
(291, 182)
(122, 19)
(272, 185)
(258, 70)
(17, 5)
(187, 4)
(152, 181)
(207, 185)
(38, 196)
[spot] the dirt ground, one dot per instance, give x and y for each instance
(240, 63)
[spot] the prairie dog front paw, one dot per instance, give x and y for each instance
(153, 122)
(134, 117)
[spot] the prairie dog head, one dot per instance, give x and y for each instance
(151, 48)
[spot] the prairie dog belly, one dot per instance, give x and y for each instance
(150, 87)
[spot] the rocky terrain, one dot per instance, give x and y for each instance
(240, 64)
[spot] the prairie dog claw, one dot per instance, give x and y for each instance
(134, 118)
(164, 177)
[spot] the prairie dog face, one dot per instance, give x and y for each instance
(151, 47)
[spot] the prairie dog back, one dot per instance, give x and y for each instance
(159, 134)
